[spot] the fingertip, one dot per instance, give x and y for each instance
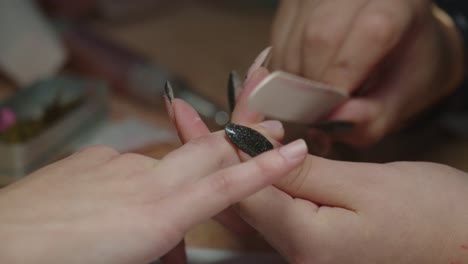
(294, 152)
(356, 110)
(273, 129)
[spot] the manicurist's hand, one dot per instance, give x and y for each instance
(395, 58)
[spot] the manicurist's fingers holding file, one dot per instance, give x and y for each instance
(395, 58)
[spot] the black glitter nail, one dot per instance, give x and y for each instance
(234, 85)
(247, 139)
(168, 91)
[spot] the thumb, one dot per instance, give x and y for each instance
(332, 183)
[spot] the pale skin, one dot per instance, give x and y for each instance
(99, 206)
(339, 212)
(397, 58)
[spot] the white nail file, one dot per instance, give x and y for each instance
(292, 98)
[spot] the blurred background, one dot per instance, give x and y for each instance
(74, 73)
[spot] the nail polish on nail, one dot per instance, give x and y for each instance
(168, 98)
(294, 151)
(259, 61)
(272, 125)
(247, 139)
(234, 88)
(336, 128)
(168, 91)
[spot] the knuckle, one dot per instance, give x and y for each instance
(381, 28)
(317, 37)
(131, 157)
(208, 141)
(100, 149)
(133, 161)
(343, 67)
(223, 184)
(213, 144)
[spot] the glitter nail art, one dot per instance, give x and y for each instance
(247, 139)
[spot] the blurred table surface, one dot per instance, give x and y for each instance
(203, 44)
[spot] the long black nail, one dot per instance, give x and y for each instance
(168, 91)
(247, 139)
(336, 128)
(234, 86)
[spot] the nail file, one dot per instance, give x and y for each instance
(287, 97)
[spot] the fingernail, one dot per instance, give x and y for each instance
(272, 125)
(169, 92)
(294, 151)
(168, 98)
(259, 61)
(336, 128)
(247, 139)
(234, 88)
(267, 59)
